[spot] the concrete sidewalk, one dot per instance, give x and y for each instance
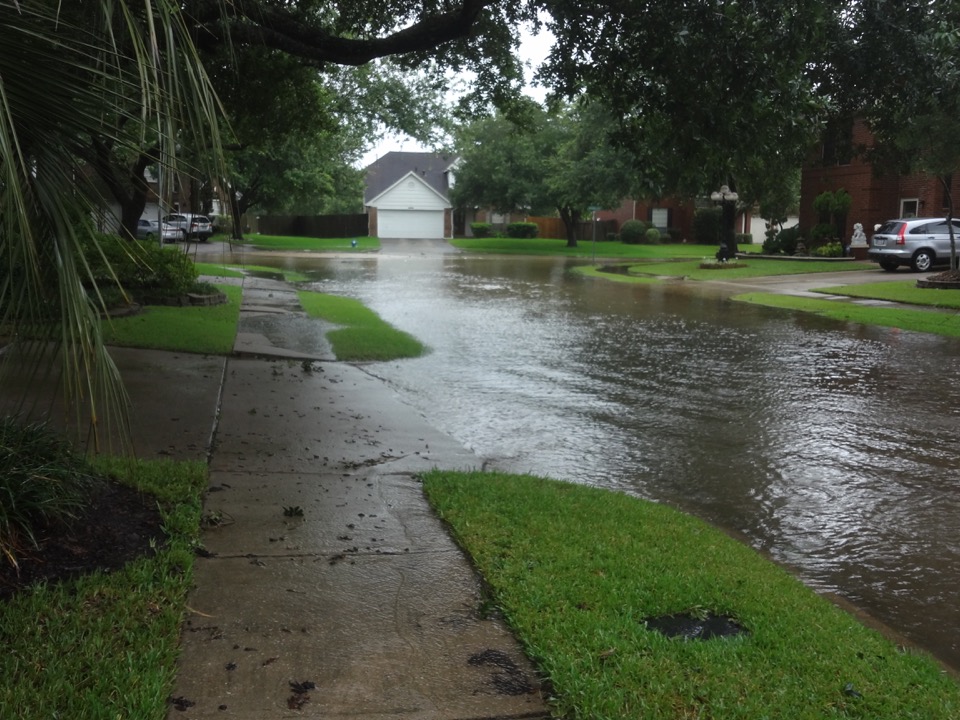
(331, 590)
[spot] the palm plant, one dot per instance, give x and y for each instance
(75, 77)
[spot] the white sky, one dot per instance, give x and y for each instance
(533, 51)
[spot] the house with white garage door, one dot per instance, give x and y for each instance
(407, 195)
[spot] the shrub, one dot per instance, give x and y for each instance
(632, 232)
(42, 481)
(831, 249)
(706, 226)
(652, 236)
(140, 267)
(522, 230)
(613, 237)
(783, 242)
(744, 239)
(676, 234)
(481, 229)
(822, 231)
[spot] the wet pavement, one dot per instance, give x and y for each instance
(330, 589)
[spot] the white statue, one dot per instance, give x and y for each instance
(859, 238)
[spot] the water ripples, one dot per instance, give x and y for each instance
(832, 447)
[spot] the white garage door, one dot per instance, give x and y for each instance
(410, 223)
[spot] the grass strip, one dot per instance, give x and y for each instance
(305, 244)
(745, 269)
(925, 321)
(365, 337)
(216, 270)
(620, 277)
(587, 248)
(200, 329)
(577, 571)
(902, 291)
(239, 271)
(105, 645)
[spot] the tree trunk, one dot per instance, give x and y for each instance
(235, 213)
(953, 240)
(127, 185)
(570, 219)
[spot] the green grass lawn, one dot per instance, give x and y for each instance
(366, 336)
(578, 571)
(587, 248)
(239, 271)
(927, 321)
(302, 244)
(747, 268)
(902, 291)
(201, 329)
(105, 645)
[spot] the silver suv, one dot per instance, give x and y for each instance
(190, 226)
(920, 243)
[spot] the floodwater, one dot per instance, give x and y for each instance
(831, 447)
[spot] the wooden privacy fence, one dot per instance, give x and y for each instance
(318, 226)
(553, 227)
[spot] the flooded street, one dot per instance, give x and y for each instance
(831, 447)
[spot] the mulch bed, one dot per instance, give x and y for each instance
(949, 280)
(117, 526)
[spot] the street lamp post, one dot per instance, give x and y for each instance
(727, 199)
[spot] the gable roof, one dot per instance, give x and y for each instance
(410, 191)
(387, 171)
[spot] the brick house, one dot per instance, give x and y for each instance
(874, 197)
(674, 213)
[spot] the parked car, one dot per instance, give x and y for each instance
(190, 225)
(148, 229)
(920, 243)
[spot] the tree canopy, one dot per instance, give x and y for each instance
(561, 160)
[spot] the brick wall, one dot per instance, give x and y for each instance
(875, 198)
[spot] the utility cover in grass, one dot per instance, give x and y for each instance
(696, 627)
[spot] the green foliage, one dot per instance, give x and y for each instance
(563, 160)
(481, 229)
(706, 226)
(139, 267)
(783, 242)
(632, 232)
(830, 249)
(42, 481)
(522, 230)
(652, 236)
(832, 208)
(821, 231)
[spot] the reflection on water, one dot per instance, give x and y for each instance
(831, 447)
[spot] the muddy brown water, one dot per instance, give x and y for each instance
(829, 446)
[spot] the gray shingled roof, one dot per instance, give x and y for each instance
(385, 171)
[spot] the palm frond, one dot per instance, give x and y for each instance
(117, 72)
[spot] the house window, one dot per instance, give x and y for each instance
(909, 207)
(660, 217)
